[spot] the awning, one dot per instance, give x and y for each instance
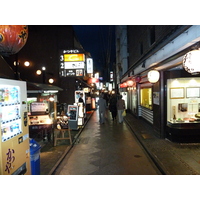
(42, 88)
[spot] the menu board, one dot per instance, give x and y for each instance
(38, 107)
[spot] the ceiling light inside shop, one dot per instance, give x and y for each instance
(175, 83)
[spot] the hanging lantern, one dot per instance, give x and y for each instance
(191, 62)
(153, 76)
(137, 79)
(129, 83)
(12, 38)
(121, 85)
(92, 80)
(124, 84)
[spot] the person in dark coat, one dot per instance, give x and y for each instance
(102, 108)
(113, 106)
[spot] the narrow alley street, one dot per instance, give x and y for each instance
(107, 149)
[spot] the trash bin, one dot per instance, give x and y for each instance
(35, 157)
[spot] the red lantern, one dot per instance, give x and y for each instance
(12, 38)
(124, 84)
(92, 80)
(129, 83)
(137, 79)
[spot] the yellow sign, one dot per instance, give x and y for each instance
(74, 57)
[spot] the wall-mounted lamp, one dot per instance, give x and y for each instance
(153, 76)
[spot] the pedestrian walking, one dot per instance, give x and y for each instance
(113, 106)
(120, 108)
(102, 108)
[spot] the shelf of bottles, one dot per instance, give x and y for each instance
(10, 112)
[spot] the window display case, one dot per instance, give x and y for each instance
(183, 108)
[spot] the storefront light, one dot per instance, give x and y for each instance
(191, 62)
(153, 76)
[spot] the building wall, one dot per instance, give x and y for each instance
(143, 39)
(5, 70)
(121, 51)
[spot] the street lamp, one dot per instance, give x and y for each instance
(38, 72)
(51, 80)
(44, 72)
(26, 63)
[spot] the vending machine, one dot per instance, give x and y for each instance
(14, 137)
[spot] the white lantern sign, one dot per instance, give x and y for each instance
(191, 62)
(153, 76)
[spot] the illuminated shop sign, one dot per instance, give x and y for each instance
(74, 72)
(89, 65)
(111, 76)
(73, 65)
(74, 57)
(72, 62)
(71, 51)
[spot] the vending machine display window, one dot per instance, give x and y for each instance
(10, 112)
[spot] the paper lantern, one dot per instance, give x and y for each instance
(153, 76)
(191, 62)
(92, 80)
(124, 84)
(137, 79)
(121, 85)
(12, 38)
(129, 83)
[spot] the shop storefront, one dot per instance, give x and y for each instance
(42, 108)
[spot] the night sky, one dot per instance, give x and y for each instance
(99, 40)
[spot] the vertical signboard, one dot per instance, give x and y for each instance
(89, 65)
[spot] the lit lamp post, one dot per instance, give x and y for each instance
(43, 72)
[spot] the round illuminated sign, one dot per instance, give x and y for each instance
(153, 76)
(191, 62)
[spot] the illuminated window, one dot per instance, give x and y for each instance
(146, 98)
